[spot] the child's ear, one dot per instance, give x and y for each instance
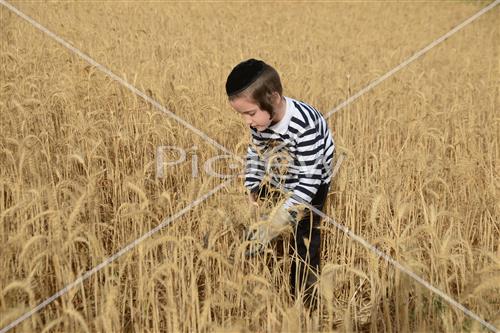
(275, 96)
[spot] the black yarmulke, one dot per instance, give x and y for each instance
(243, 75)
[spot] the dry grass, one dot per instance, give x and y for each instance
(77, 169)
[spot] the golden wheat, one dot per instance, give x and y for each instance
(419, 178)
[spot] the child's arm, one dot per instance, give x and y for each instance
(252, 198)
(254, 171)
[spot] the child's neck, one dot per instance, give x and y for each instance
(280, 111)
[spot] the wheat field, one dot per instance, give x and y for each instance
(420, 179)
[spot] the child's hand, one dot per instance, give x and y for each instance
(266, 230)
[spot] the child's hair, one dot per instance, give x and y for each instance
(254, 79)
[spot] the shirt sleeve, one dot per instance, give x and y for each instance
(255, 167)
(309, 156)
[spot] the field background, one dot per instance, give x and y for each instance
(421, 178)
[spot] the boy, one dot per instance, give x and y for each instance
(281, 124)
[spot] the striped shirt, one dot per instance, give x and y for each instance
(296, 153)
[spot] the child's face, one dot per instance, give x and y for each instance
(251, 113)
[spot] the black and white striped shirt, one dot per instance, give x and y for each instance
(300, 141)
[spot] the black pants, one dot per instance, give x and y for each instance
(305, 249)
